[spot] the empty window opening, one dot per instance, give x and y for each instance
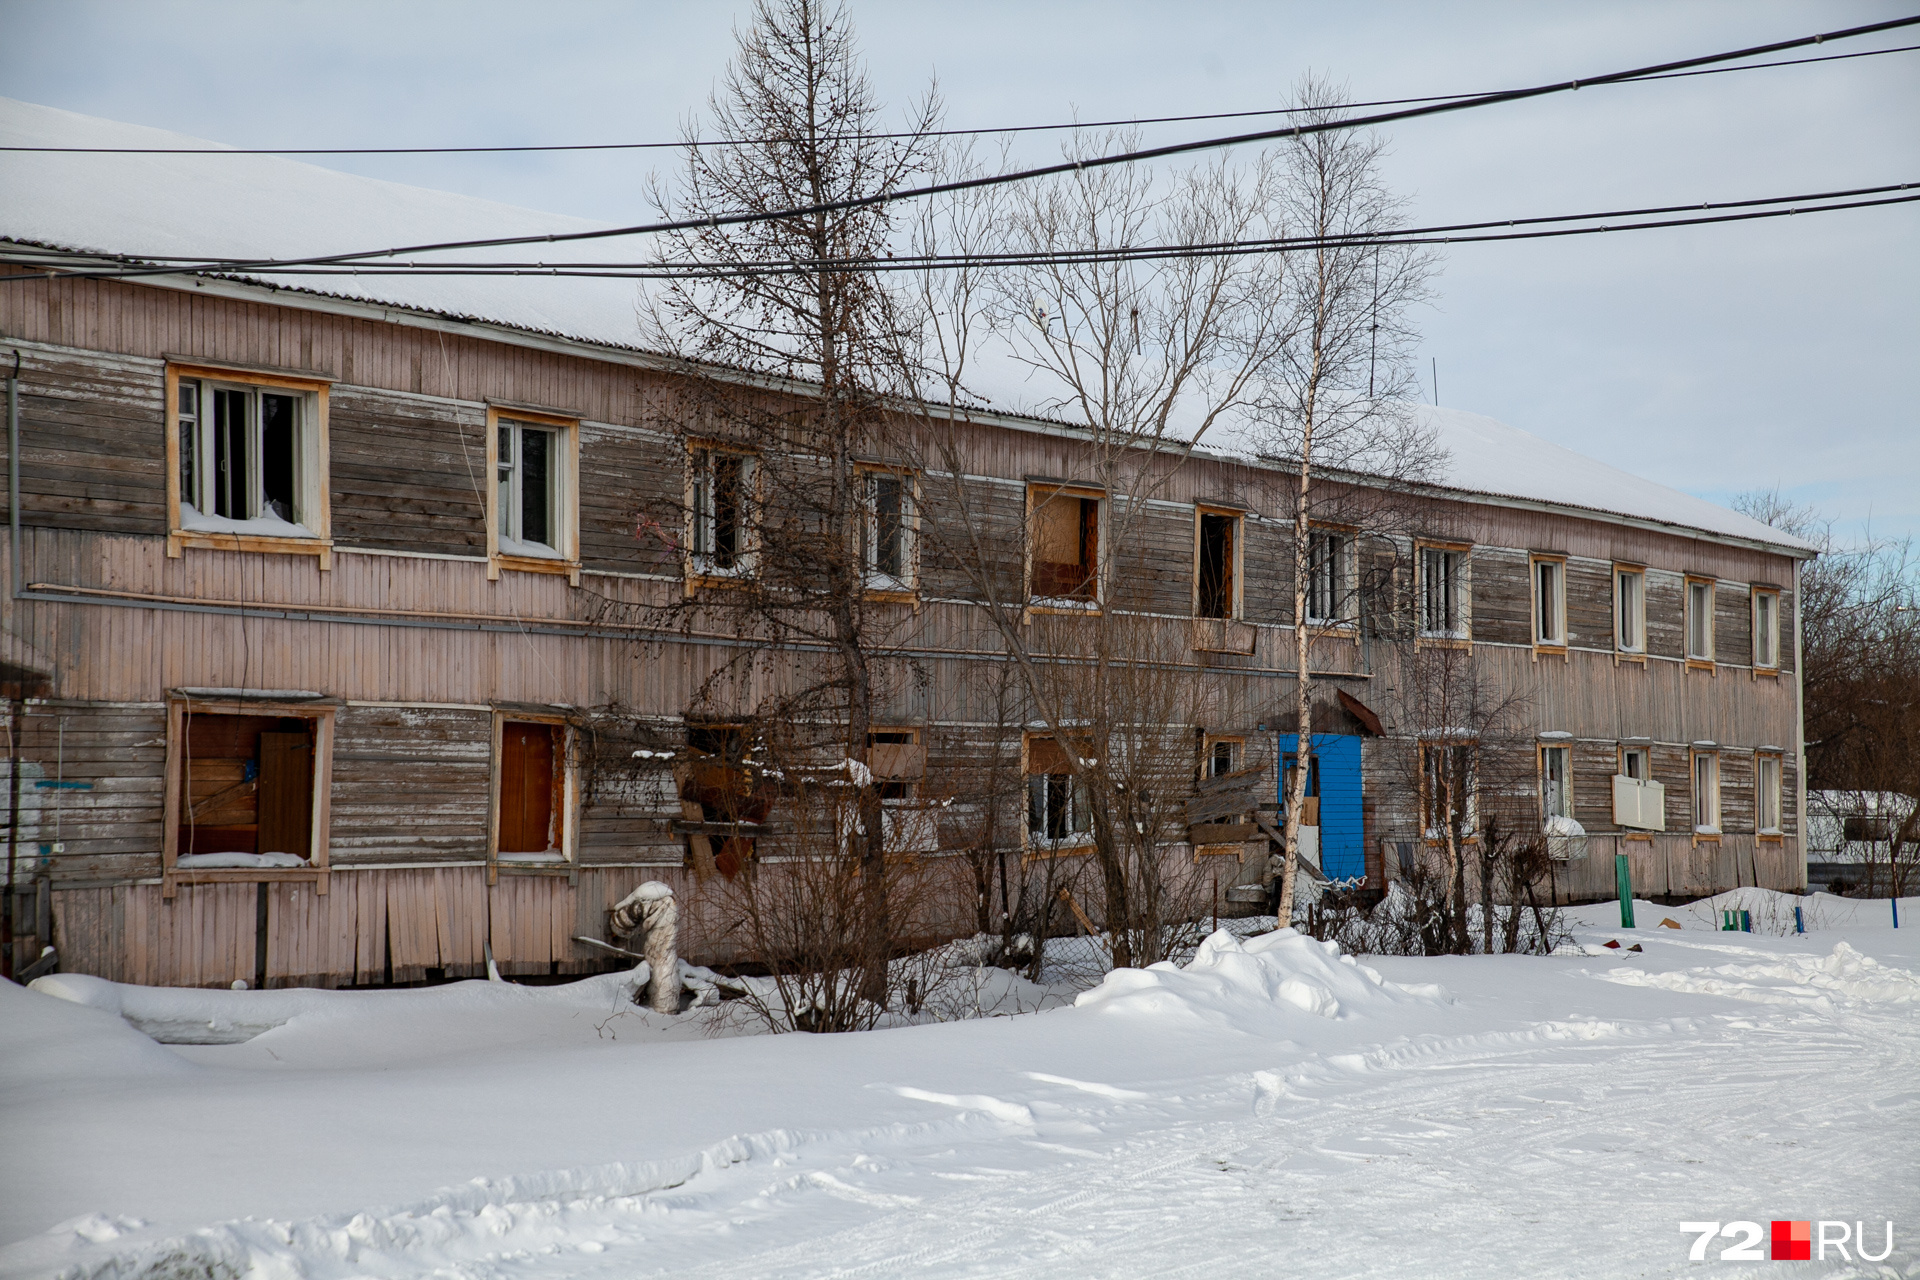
(1448, 786)
(889, 531)
(241, 452)
(721, 491)
(247, 785)
(1310, 802)
(1700, 621)
(1327, 587)
(528, 503)
(1066, 547)
(896, 761)
(1633, 764)
(1223, 757)
(1442, 603)
(1556, 782)
(1057, 811)
(1218, 533)
(1549, 602)
(532, 778)
(1630, 610)
(720, 782)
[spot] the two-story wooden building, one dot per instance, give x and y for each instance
(321, 646)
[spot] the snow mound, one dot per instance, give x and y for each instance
(196, 1015)
(1229, 978)
(1843, 976)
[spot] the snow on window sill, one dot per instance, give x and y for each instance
(193, 520)
(206, 861)
(527, 550)
(1066, 603)
(887, 584)
(548, 858)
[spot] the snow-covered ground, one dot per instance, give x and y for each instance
(1272, 1108)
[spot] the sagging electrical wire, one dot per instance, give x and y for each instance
(990, 180)
(1456, 233)
(983, 131)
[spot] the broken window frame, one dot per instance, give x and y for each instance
(877, 531)
(179, 707)
(1332, 561)
(1218, 593)
(721, 538)
(1555, 765)
(565, 785)
(1054, 792)
(1443, 594)
(1457, 749)
(1090, 516)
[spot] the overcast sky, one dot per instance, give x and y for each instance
(1715, 360)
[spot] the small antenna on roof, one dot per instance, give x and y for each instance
(1436, 382)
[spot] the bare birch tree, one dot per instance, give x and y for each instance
(1332, 401)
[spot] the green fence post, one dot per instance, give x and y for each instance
(1623, 877)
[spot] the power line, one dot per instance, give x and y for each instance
(1070, 166)
(1427, 234)
(881, 137)
(1231, 248)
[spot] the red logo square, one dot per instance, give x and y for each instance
(1792, 1241)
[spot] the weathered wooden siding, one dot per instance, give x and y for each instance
(417, 644)
(408, 474)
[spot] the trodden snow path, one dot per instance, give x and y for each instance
(1543, 1117)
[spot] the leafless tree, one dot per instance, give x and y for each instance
(1860, 675)
(1471, 773)
(1332, 403)
(1145, 359)
(788, 361)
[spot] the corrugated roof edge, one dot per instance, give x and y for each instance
(246, 286)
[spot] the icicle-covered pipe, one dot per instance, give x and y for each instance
(650, 909)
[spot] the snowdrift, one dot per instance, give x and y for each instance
(1841, 977)
(194, 1015)
(1231, 980)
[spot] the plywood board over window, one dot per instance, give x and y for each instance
(533, 826)
(247, 462)
(1063, 548)
(533, 521)
(247, 791)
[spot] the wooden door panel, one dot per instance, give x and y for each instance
(526, 787)
(286, 793)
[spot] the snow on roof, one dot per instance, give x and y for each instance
(1489, 457)
(268, 206)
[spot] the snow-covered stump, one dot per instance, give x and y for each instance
(650, 910)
